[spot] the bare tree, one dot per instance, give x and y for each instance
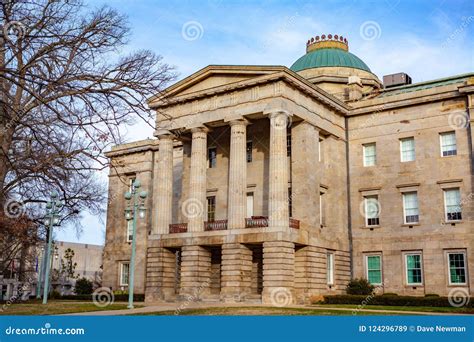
(65, 88)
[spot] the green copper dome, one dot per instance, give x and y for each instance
(329, 57)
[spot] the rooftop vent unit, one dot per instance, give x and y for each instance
(395, 80)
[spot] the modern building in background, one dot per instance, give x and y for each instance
(268, 182)
(88, 264)
(88, 260)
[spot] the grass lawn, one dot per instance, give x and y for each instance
(447, 309)
(256, 311)
(56, 307)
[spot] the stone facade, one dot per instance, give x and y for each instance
(258, 186)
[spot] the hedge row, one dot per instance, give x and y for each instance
(139, 297)
(391, 300)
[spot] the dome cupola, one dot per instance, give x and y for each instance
(328, 63)
(328, 51)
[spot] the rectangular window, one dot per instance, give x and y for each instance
(407, 149)
(211, 208)
(410, 207)
(249, 204)
(372, 210)
(374, 269)
(129, 230)
(290, 204)
(457, 268)
(413, 267)
(452, 204)
(249, 151)
(212, 157)
(330, 268)
(320, 149)
(288, 143)
(322, 205)
(370, 157)
(124, 273)
(448, 144)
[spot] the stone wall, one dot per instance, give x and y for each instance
(428, 175)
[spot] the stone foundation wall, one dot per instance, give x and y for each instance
(236, 272)
(160, 274)
(195, 271)
(278, 272)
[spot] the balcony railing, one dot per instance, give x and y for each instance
(215, 225)
(256, 222)
(252, 222)
(178, 228)
(294, 223)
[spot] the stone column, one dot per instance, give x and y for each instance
(278, 273)
(194, 208)
(160, 274)
(278, 173)
(195, 272)
(236, 206)
(236, 272)
(164, 184)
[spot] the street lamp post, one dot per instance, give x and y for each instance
(135, 204)
(40, 273)
(52, 219)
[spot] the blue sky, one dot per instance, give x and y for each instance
(426, 39)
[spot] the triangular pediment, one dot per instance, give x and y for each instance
(215, 76)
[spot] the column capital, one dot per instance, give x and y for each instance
(280, 119)
(278, 112)
(242, 122)
(164, 134)
(199, 129)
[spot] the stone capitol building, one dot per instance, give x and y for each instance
(266, 181)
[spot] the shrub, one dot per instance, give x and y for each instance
(359, 286)
(392, 300)
(431, 295)
(390, 294)
(83, 286)
(54, 294)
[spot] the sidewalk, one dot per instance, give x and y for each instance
(183, 306)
